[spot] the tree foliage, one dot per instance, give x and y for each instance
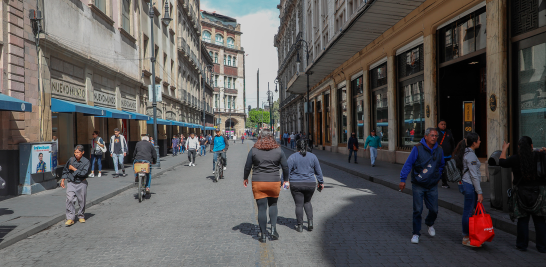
(256, 116)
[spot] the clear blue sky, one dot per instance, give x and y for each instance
(238, 8)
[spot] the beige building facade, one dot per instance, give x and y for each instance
(400, 74)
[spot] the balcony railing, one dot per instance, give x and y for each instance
(287, 100)
(292, 49)
(183, 46)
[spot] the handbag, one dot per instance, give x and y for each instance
(101, 150)
(480, 227)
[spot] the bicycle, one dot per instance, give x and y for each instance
(142, 169)
(219, 167)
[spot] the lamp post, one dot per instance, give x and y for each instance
(166, 19)
(271, 109)
(298, 61)
(211, 72)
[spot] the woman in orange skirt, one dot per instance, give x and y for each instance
(265, 159)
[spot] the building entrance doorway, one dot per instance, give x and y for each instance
(459, 82)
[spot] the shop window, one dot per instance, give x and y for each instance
(357, 97)
(410, 62)
(525, 16)
(463, 36)
(342, 114)
(412, 112)
(380, 116)
(379, 76)
(531, 93)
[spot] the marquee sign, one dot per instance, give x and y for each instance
(104, 98)
(70, 90)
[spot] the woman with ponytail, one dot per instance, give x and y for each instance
(304, 171)
(265, 160)
(524, 169)
(468, 164)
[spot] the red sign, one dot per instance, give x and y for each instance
(125, 128)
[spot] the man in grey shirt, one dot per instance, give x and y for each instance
(75, 171)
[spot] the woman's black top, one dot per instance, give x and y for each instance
(514, 163)
(265, 165)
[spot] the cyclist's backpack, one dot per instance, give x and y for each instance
(453, 173)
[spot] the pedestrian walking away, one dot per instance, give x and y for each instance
(446, 141)
(469, 166)
(242, 139)
(145, 152)
(203, 146)
(183, 140)
(527, 190)
(264, 160)
(352, 145)
(74, 180)
(292, 141)
(118, 150)
(97, 150)
(219, 144)
(192, 145)
(425, 163)
(304, 171)
(175, 145)
(374, 142)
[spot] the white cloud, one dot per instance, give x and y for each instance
(259, 29)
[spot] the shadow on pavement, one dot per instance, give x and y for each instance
(248, 229)
(5, 211)
(4, 230)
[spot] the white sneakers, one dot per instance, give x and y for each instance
(213, 172)
(431, 231)
(190, 164)
(91, 175)
(100, 174)
(193, 164)
(224, 168)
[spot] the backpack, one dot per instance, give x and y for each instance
(453, 173)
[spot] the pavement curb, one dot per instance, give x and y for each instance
(497, 223)
(59, 218)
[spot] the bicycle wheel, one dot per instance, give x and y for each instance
(139, 188)
(221, 169)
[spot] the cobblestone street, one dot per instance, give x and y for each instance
(191, 221)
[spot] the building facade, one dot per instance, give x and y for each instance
(222, 38)
(92, 70)
(400, 68)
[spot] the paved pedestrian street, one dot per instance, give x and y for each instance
(191, 221)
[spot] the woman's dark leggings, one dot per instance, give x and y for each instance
(302, 197)
(262, 209)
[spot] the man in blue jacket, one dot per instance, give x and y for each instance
(425, 162)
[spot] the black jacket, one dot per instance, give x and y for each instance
(352, 141)
(447, 143)
(144, 150)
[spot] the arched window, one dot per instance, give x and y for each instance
(210, 53)
(219, 39)
(216, 58)
(229, 60)
(206, 36)
(230, 42)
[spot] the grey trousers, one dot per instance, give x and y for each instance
(75, 191)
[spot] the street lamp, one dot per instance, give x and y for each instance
(298, 61)
(276, 91)
(166, 19)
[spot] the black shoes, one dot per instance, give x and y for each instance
(274, 233)
(262, 238)
(356, 162)
(309, 225)
(299, 228)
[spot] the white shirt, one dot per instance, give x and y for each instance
(192, 143)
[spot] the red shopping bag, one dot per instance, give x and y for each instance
(480, 227)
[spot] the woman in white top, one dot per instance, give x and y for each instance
(96, 153)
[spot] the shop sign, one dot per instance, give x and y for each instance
(468, 122)
(103, 98)
(67, 89)
(128, 104)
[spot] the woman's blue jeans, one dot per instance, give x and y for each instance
(470, 199)
(98, 159)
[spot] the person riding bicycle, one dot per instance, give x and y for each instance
(219, 145)
(145, 152)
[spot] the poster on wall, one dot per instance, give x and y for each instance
(54, 155)
(125, 129)
(41, 158)
(468, 122)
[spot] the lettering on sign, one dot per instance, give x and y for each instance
(103, 98)
(128, 104)
(67, 89)
(533, 103)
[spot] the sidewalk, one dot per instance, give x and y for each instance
(388, 174)
(26, 215)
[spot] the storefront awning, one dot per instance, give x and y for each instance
(14, 104)
(177, 123)
(115, 114)
(63, 106)
(209, 128)
(138, 116)
(159, 121)
(371, 21)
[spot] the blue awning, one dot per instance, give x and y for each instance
(14, 104)
(116, 114)
(58, 105)
(159, 121)
(177, 123)
(138, 116)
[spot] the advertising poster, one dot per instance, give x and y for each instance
(54, 155)
(41, 158)
(125, 129)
